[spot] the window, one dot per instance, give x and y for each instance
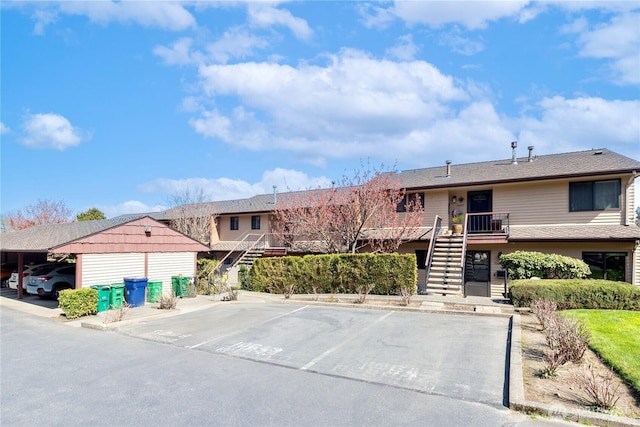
(594, 195)
(421, 259)
(606, 265)
(255, 222)
(235, 223)
(402, 206)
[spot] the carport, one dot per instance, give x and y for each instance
(107, 250)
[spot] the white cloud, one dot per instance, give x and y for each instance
(169, 15)
(619, 41)
(572, 124)
(460, 44)
(405, 49)
(235, 43)
(470, 14)
(4, 129)
(179, 53)
(231, 189)
(51, 131)
(129, 207)
(267, 15)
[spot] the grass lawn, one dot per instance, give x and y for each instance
(615, 336)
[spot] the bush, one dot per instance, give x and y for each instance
(525, 265)
(336, 273)
(205, 275)
(575, 294)
(244, 278)
(78, 302)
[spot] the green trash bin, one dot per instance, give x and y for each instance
(104, 292)
(116, 297)
(154, 291)
(180, 286)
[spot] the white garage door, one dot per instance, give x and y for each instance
(166, 264)
(105, 269)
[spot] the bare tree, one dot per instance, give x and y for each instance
(40, 213)
(361, 211)
(192, 215)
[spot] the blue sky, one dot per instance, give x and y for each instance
(121, 105)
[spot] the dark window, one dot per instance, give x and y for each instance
(402, 206)
(235, 223)
(594, 195)
(606, 265)
(255, 222)
(421, 259)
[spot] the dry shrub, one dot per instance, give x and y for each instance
(118, 314)
(363, 291)
(567, 339)
(168, 301)
(405, 293)
(545, 311)
(600, 388)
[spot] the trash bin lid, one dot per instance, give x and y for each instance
(100, 287)
(135, 279)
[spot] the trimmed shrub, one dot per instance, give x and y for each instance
(205, 275)
(78, 302)
(244, 278)
(525, 265)
(385, 274)
(574, 294)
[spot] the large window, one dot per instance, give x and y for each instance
(235, 223)
(402, 206)
(594, 195)
(606, 265)
(255, 222)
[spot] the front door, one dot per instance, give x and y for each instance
(479, 202)
(477, 274)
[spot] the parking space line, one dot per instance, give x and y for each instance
(331, 350)
(252, 326)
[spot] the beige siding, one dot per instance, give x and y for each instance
(435, 203)
(546, 203)
(162, 266)
(244, 227)
(105, 269)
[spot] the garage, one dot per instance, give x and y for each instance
(106, 251)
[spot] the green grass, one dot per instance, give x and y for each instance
(615, 337)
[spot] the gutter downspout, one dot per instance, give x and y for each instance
(634, 175)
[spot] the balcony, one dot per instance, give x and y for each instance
(485, 224)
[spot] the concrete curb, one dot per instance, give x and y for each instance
(517, 400)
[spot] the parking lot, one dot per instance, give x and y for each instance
(457, 356)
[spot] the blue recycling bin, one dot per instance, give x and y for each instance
(134, 290)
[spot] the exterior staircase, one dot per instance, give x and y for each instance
(445, 272)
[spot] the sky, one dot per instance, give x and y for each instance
(125, 105)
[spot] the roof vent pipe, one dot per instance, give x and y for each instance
(514, 160)
(448, 167)
(275, 187)
(530, 148)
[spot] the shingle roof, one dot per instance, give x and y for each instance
(44, 237)
(574, 232)
(580, 163)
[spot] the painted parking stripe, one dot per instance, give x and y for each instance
(253, 326)
(331, 350)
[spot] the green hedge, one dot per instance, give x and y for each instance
(576, 294)
(525, 265)
(78, 302)
(334, 273)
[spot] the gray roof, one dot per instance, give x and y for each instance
(41, 238)
(581, 163)
(574, 232)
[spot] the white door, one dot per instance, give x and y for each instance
(105, 269)
(163, 265)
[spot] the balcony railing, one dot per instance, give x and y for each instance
(488, 223)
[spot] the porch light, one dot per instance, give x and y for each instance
(454, 199)
(147, 230)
